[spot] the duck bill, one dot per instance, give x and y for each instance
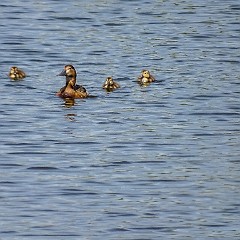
(62, 73)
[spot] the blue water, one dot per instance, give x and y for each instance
(155, 162)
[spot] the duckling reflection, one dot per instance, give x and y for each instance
(110, 85)
(145, 78)
(16, 73)
(71, 89)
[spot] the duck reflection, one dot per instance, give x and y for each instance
(71, 117)
(69, 102)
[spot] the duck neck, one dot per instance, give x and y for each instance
(71, 79)
(70, 84)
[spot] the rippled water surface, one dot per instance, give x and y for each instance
(155, 162)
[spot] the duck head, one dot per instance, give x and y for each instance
(110, 84)
(145, 73)
(109, 81)
(13, 70)
(68, 71)
(145, 78)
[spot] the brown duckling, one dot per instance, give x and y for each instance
(145, 77)
(16, 73)
(71, 89)
(110, 85)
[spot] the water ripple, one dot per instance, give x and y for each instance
(150, 162)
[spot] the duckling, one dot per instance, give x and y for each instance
(16, 73)
(145, 77)
(71, 89)
(110, 85)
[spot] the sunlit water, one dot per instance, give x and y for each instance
(156, 162)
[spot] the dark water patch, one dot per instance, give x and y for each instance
(202, 36)
(236, 83)
(214, 225)
(94, 182)
(37, 60)
(235, 161)
(215, 113)
(182, 155)
(10, 165)
(120, 214)
(117, 146)
(74, 166)
(107, 122)
(77, 143)
(13, 43)
(183, 195)
(45, 210)
(20, 85)
(8, 232)
(50, 235)
(132, 1)
(235, 7)
(96, 53)
(46, 19)
(18, 14)
(93, 64)
(150, 215)
(204, 97)
(21, 144)
(111, 164)
(73, 18)
(152, 228)
(236, 204)
(74, 192)
(230, 211)
(6, 182)
(145, 12)
(155, 180)
(28, 51)
(228, 61)
(28, 153)
(41, 168)
(147, 33)
(118, 163)
(204, 134)
(115, 24)
(150, 162)
(25, 216)
(119, 229)
(161, 180)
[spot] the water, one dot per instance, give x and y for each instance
(156, 162)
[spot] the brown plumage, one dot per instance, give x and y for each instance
(16, 74)
(110, 85)
(145, 77)
(71, 89)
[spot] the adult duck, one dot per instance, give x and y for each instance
(145, 77)
(110, 85)
(16, 73)
(71, 89)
